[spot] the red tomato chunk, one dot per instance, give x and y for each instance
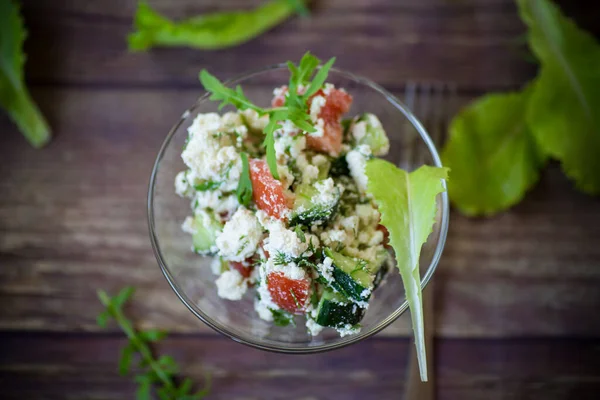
(267, 192)
(289, 294)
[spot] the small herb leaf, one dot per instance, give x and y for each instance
(244, 189)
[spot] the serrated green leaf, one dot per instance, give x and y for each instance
(319, 79)
(563, 109)
(269, 144)
(407, 203)
(226, 95)
(14, 96)
(209, 31)
(492, 154)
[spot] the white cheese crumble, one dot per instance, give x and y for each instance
(182, 187)
(217, 265)
(328, 192)
(188, 225)
(319, 160)
(207, 158)
(215, 201)
(310, 174)
(231, 285)
(313, 328)
(287, 129)
(347, 330)
(333, 236)
(282, 240)
(290, 270)
(349, 223)
(357, 161)
(319, 128)
(262, 310)
(315, 107)
(240, 237)
(328, 88)
(254, 121)
(287, 146)
(326, 269)
(367, 213)
(285, 176)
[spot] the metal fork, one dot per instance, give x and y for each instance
(433, 103)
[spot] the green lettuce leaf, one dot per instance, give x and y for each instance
(14, 97)
(407, 203)
(208, 32)
(492, 154)
(563, 111)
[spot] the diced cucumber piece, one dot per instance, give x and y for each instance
(324, 170)
(336, 311)
(339, 167)
(367, 129)
(313, 207)
(351, 276)
(381, 258)
(206, 228)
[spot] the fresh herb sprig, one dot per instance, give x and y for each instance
(160, 373)
(295, 108)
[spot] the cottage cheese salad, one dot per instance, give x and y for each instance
(287, 202)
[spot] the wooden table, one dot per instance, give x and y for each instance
(517, 296)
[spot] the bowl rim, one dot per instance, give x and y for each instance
(259, 343)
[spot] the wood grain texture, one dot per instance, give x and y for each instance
(43, 366)
(73, 218)
(475, 44)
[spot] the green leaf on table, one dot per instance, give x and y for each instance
(407, 203)
(208, 32)
(563, 109)
(14, 96)
(492, 154)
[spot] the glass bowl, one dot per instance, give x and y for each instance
(190, 275)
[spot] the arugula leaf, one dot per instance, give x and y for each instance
(160, 372)
(244, 189)
(407, 203)
(226, 95)
(295, 108)
(492, 154)
(563, 109)
(269, 144)
(14, 96)
(211, 31)
(319, 79)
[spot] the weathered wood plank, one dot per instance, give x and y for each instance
(36, 366)
(474, 44)
(72, 219)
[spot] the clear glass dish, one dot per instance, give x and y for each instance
(190, 275)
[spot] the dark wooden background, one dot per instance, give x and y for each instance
(517, 296)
